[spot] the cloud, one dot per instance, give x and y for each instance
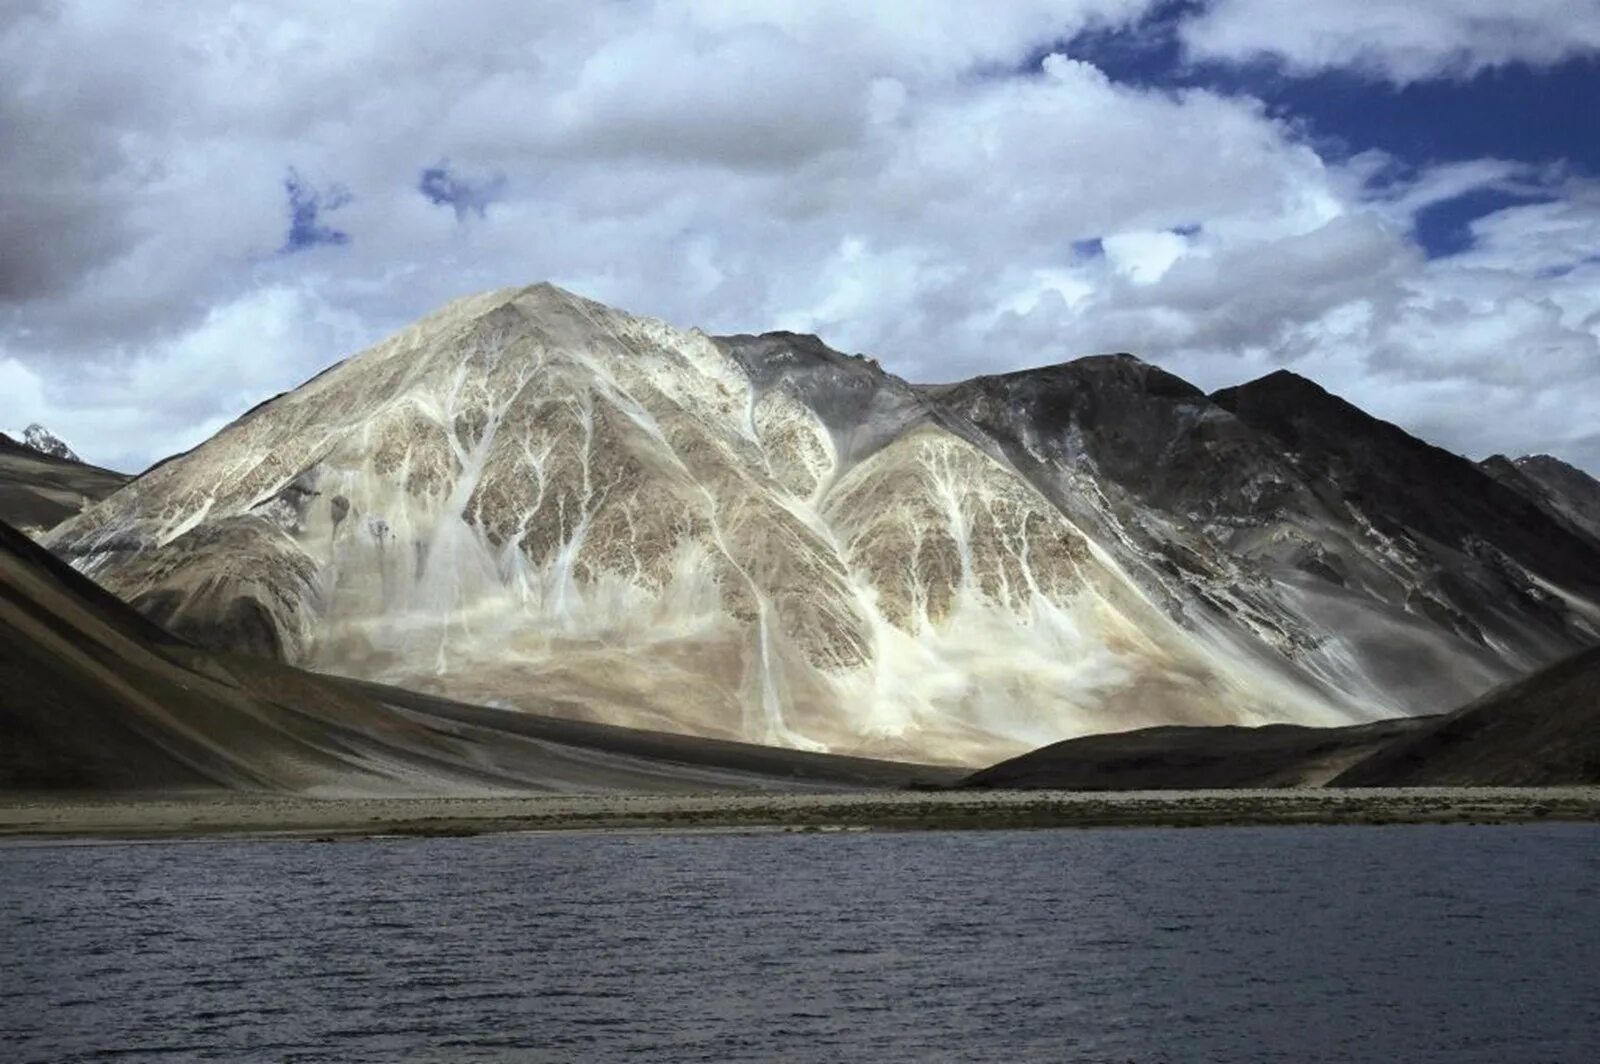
(1400, 40)
(926, 184)
(21, 395)
(157, 399)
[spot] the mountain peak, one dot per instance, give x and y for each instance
(1117, 370)
(1285, 398)
(1498, 465)
(1562, 487)
(783, 346)
(1281, 379)
(1148, 376)
(1126, 358)
(1546, 462)
(541, 291)
(540, 295)
(1406, 484)
(46, 442)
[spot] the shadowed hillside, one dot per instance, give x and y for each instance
(39, 491)
(1164, 759)
(1540, 731)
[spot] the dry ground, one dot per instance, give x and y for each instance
(213, 815)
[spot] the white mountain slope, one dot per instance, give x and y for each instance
(529, 499)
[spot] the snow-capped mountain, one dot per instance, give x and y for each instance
(46, 442)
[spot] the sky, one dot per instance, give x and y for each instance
(204, 205)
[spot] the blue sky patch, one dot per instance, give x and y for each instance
(1541, 117)
(444, 187)
(1510, 112)
(306, 204)
(1445, 227)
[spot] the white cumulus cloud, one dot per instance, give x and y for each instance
(940, 185)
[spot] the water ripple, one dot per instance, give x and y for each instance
(1319, 944)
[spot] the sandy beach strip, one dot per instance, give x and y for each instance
(189, 816)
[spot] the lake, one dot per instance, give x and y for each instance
(1419, 943)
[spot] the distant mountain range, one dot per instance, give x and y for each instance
(532, 501)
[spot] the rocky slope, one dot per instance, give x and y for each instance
(1398, 575)
(94, 696)
(39, 490)
(532, 500)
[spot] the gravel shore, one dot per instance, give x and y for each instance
(188, 816)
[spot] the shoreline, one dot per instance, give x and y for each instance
(42, 818)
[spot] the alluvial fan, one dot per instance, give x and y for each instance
(531, 500)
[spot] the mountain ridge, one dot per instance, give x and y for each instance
(39, 490)
(528, 495)
(1564, 491)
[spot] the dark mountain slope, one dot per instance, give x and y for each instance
(91, 694)
(1476, 556)
(1540, 731)
(1160, 759)
(1569, 494)
(1150, 433)
(1404, 486)
(1255, 535)
(39, 491)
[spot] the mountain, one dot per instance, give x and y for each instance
(48, 443)
(531, 500)
(1568, 494)
(38, 490)
(1178, 758)
(1543, 730)
(1391, 572)
(93, 696)
(1430, 532)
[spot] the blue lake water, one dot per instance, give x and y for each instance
(1277, 944)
